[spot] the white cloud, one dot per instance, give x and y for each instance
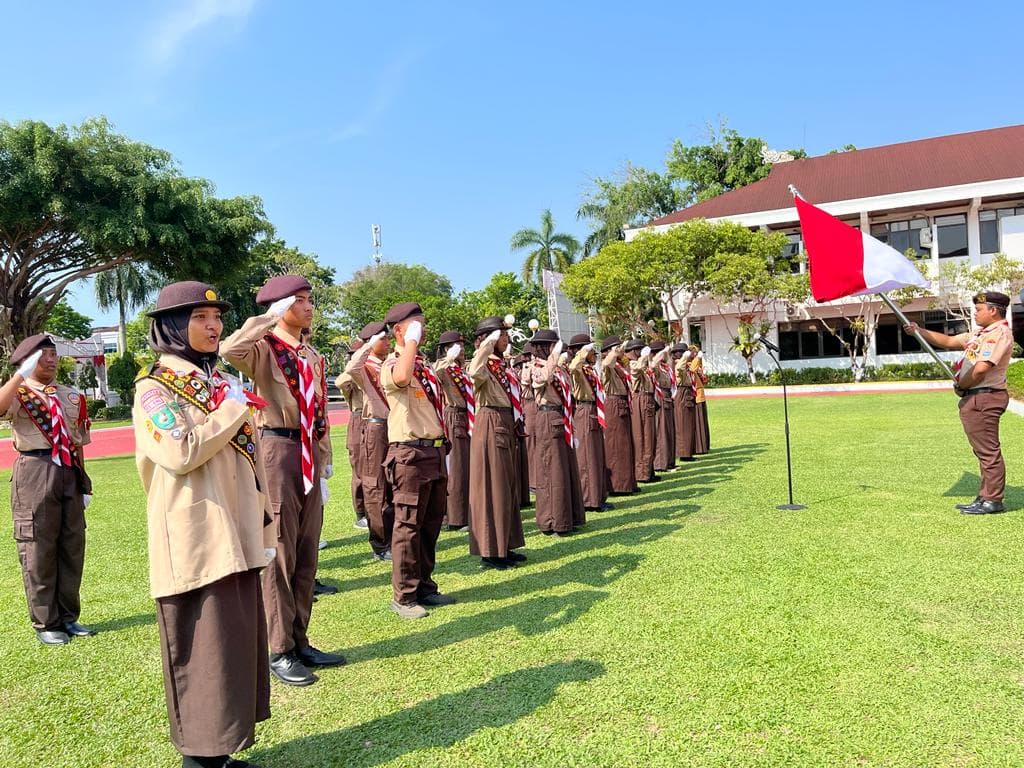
(174, 29)
(388, 86)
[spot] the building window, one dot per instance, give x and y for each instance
(811, 339)
(952, 234)
(989, 225)
(891, 340)
(902, 235)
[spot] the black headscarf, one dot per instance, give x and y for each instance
(168, 335)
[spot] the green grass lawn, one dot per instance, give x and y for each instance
(691, 625)
(6, 431)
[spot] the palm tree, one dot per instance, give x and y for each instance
(549, 249)
(128, 286)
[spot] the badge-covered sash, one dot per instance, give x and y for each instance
(284, 356)
(38, 412)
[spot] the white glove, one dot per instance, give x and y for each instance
(328, 470)
(687, 355)
(280, 306)
(645, 353)
(375, 338)
(26, 368)
(700, 355)
(558, 348)
(236, 392)
(494, 336)
(588, 347)
(86, 500)
(563, 358)
(414, 332)
(271, 553)
(453, 351)
(325, 495)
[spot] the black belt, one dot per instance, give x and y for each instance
(38, 452)
(584, 402)
(374, 420)
(981, 390)
(438, 443)
(502, 408)
(549, 408)
(624, 397)
(291, 434)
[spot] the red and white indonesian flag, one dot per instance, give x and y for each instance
(843, 261)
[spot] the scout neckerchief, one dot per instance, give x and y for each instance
(298, 372)
(46, 413)
(595, 384)
(201, 394)
(972, 346)
(654, 384)
(465, 387)
(671, 371)
(431, 388)
(372, 368)
(627, 379)
(565, 388)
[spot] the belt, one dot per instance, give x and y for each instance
(585, 402)
(624, 397)
(982, 390)
(502, 408)
(292, 434)
(549, 408)
(38, 452)
(374, 420)
(438, 443)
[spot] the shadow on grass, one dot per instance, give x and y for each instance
(125, 622)
(435, 723)
(968, 484)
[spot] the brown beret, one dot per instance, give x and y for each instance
(281, 286)
(610, 341)
(579, 340)
(992, 297)
(186, 294)
(370, 330)
(633, 344)
(450, 337)
(678, 349)
(489, 325)
(356, 345)
(544, 336)
(403, 311)
(657, 346)
(30, 345)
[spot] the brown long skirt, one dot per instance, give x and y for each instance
(559, 496)
(590, 456)
(213, 641)
(528, 469)
(457, 422)
(643, 435)
(665, 435)
(686, 425)
(618, 445)
(495, 524)
(702, 435)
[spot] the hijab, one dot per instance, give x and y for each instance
(168, 335)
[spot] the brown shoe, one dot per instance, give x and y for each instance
(410, 611)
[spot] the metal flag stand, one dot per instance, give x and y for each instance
(791, 506)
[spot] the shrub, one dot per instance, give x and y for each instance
(94, 407)
(121, 376)
(114, 413)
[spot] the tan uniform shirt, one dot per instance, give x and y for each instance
(682, 372)
(581, 388)
(452, 394)
(353, 394)
(543, 381)
(696, 366)
(249, 352)
(613, 380)
(642, 381)
(993, 344)
(28, 437)
(412, 415)
(205, 511)
(362, 368)
(487, 390)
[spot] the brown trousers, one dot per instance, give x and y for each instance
(288, 581)
(590, 455)
(420, 486)
(644, 415)
(686, 422)
(496, 524)
(559, 496)
(528, 469)
(980, 415)
(380, 511)
(457, 422)
(702, 435)
(618, 444)
(49, 527)
(213, 641)
(665, 434)
(353, 439)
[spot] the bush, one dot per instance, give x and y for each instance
(823, 375)
(1015, 380)
(94, 407)
(906, 372)
(121, 376)
(114, 413)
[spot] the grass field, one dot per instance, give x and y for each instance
(691, 625)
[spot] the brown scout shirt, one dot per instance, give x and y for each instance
(412, 415)
(542, 379)
(581, 389)
(696, 366)
(249, 352)
(452, 394)
(375, 403)
(682, 372)
(993, 344)
(613, 381)
(27, 436)
(642, 381)
(487, 390)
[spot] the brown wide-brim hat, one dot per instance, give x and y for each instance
(678, 349)
(281, 286)
(544, 336)
(634, 344)
(185, 295)
(403, 311)
(370, 330)
(579, 340)
(657, 346)
(992, 297)
(30, 345)
(609, 342)
(489, 325)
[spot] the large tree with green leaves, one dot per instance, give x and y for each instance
(634, 197)
(127, 286)
(547, 249)
(75, 202)
(68, 322)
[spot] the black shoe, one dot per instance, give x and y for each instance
(458, 528)
(313, 657)
(287, 668)
(984, 507)
(221, 761)
(319, 588)
(53, 637)
(606, 506)
(562, 534)
(384, 557)
(79, 630)
(516, 557)
(239, 764)
(547, 533)
(497, 563)
(977, 500)
(435, 600)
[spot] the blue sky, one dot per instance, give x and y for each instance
(454, 124)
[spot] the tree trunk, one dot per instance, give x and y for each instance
(750, 369)
(122, 327)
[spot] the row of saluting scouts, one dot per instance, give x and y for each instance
(236, 480)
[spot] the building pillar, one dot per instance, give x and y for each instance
(974, 231)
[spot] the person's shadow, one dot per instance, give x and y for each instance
(436, 723)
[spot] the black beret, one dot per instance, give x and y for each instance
(280, 287)
(450, 337)
(489, 325)
(522, 359)
(30, 345)
(544, 336)
(370, 330)
(579, 340)
(678, 349)
(634, 344)
(992, 297)
(657, 346)
(403, 311)
(610, 341)
(186, 294)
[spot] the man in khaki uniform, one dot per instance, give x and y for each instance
(289, 375)
(49, 488)
(354, 437)
(980, 381)
(415, 464)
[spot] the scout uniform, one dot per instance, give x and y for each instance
(459, 413)
(364, 370)
(588, 424)
(644, 411)
(48, 484)
(210, 527)
(289, 376)
(354, 437)
(685, 404)
(665, 419)
(526, 466)
(702, 434)
(618, 433)
(415, 464)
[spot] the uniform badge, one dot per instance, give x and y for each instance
(176, 434)
(163, 418)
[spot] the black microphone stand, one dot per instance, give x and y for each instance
(785, 417)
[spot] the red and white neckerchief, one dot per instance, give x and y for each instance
(60, 438)
(595, 384)
(465, 387)
(372, 369)
(673, 384)
(654, 384)
(508, 379)
(627, 379)
(431, 388)
(565, 389)
(307, 391)
(972, 345)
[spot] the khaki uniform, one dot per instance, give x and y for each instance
(983, 405)
(456, 419)
(209, 525)
(618, 433)
(665, 420)
(702, 433)
(685, 411)
(354, 438)
(288, 582)
(644, 412)
(589, 434)
(415, 465)
(48, 510)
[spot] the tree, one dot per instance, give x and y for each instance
(68, 322)
(957, 283)
(121, 375)
(86, 380)
(504, 294)
(127, 286)
(80, 201)
(549, 249)
(635, 197)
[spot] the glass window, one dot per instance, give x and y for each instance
(952, 234)
(902, 235)
(789, 345)
(989, 226)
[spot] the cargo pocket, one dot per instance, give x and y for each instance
(275, 513)
(24, 530)
(406, 506)
(503, 438)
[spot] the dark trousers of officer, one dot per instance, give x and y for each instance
(49, 527)
(288, 581)
(380, 513)
(420, 490)
(353, 439)
(979, 413)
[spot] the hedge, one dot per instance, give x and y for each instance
(114, 413)
(891, 372)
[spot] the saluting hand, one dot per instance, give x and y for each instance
(30, 363)
(645, 353)
(279, 307)
(558, 348)
(453, 351)
(493, 336)
(414, 332)
(588, 347)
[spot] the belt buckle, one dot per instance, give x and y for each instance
(438, 442)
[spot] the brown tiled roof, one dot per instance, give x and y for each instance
(945, 161)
